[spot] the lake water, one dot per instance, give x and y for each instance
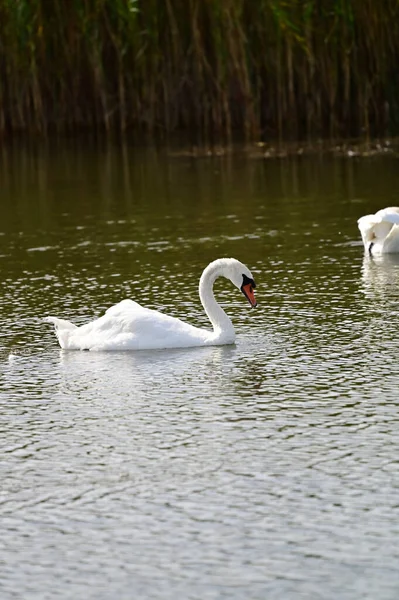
(264, 470)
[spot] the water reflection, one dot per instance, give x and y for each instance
(380, 275)
(263, 470)
(48, 176)
(144, 373)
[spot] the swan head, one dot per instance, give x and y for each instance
(241, 277)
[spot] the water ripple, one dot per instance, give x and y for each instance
(267, 469)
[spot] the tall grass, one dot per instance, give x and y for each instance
(216, 68)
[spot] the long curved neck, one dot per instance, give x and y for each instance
(220, 321)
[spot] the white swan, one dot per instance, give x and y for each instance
(380, 232)
(130, 326)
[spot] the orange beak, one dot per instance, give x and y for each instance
(248, 292)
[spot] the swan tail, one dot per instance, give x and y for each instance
(60, 323)
(63, 329)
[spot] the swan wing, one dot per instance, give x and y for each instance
(390, 214)
(126, 307)
(391, 240)
(130, 326)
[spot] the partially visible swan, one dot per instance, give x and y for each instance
(130, 326)
(380, 232)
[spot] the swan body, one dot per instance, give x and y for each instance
(380, 232)
(130, 326)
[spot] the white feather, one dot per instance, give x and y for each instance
(130, 326)
(380, 232)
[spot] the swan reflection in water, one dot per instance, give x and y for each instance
(380, 276)
(141, 375)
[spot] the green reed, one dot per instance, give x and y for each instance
(260, 69)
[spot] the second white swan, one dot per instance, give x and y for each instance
(380, 232)
(130, 326)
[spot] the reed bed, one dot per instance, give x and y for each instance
(258, 69)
